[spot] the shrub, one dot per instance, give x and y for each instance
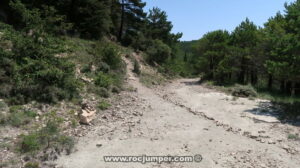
(243, 91)
(117, 79)
(18, 117)
(46, 137)
(30, 143)
(102, 92)
(86, 68)
(158, 52)
(103, 105)
(103, 80)
(115, 89)
(32, 165)
(111, 56)
(3, 105)
(294, 136)
(31, 70)
(104, 67)
(67, 143)
(3, 119)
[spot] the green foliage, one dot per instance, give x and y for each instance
(32, 165)
(151, 79)
(115, 89)
(175, 67)
(158, 52)
(103, 105)
(265, 57)
(213, 48)
(3, 105)
(160, 28)
(117, 79)
(17, 117)
(111, 56)
(94, 19)
(103, 80)
(294, 136)
(46, 137)
(102, 92)
(243, 91)
(30, 143)
(132, 20)
(32, 71)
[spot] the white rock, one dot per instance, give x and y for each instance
(271, 142)
(87, 116)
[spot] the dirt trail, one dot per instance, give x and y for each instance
(187, 119)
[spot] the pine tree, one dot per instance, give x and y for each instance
(132, 16)
(160, 27)
(245, 37)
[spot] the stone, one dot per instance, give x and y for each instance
(254, 136)
(87, 115)
(271, 142)
(85, 79)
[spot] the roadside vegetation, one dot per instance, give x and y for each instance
(59, 58)
(252, 59)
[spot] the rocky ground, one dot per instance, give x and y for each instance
(183, 118)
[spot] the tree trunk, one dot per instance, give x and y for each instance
(229, 77)
(253, 78)
(283, 86)
(270, 82)
(211, 67)
(122, 21)
(288, 87)
(293, 84)
(242, 73)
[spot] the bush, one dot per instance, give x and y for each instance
(18, 117)
(31, 70)
(86, 68)
(115, 89)
(103, 105)
(46, 137)
(32, 165)
(294, 136)
(158, 52)
(30, 143)
(103, 80)
(111, 56)
(102, 92)
(104, 67)
(243, 91)
(3, 105)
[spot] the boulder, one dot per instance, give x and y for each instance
(87, 114)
